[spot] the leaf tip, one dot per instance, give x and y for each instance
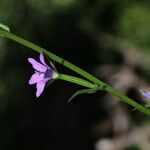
(4, 27)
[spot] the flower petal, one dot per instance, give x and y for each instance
(145, 93)
(36, 65)
(40, 87)
(43, 61)
(35, 78)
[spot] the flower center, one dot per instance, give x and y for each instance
(41, 74)
(48, 73)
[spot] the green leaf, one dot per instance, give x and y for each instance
(85, 91)
(4, 27)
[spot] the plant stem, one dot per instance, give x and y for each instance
(75, 69)
(76, 80)
(51, 55)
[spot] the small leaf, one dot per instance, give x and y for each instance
(4, 27)
(85, 91)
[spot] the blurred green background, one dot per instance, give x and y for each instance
(96, 35)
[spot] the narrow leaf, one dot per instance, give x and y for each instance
(84, 91)
(4, 27)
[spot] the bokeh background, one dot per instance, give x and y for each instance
(110, 39)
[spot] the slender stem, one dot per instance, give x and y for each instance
(51, 55)
(75, 69)
(76, 80)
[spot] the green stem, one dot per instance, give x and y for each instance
(75, 69)
(51, 55)
(76, 80)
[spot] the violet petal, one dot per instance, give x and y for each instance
(43, 61)
(145, 93)
(35, 78)
(36, 65)
(40, 87)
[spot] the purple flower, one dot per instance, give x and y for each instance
(43, 73)
(145, 93)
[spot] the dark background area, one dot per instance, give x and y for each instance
(110, 39)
